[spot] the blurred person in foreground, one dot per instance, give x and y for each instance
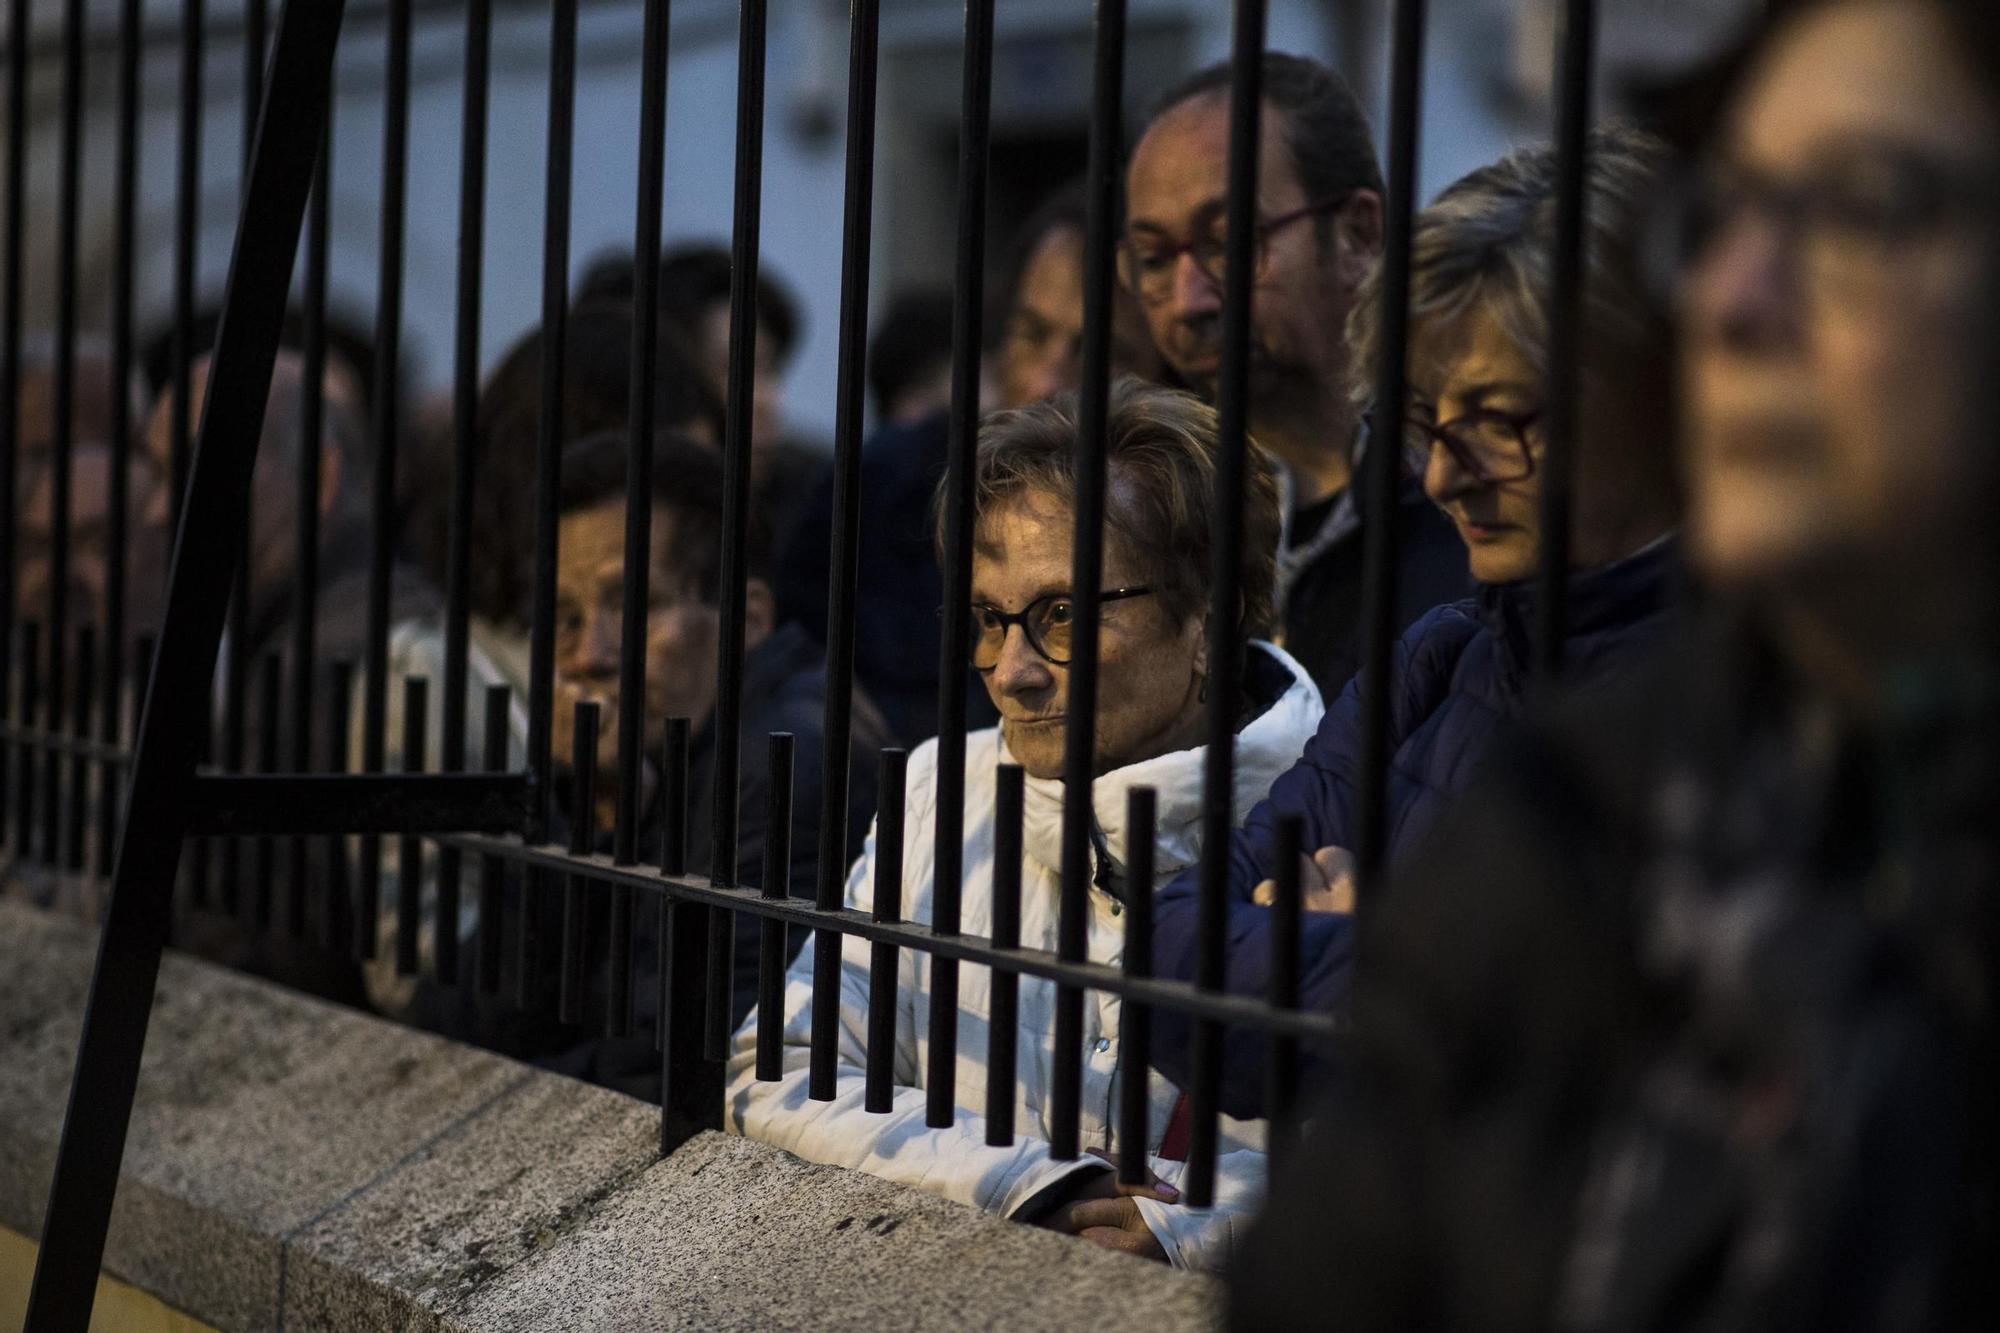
(1033, 350)
(1319, 230)
(1478, 363)
(1153, 657)
(1688, 1019)
(784, 686)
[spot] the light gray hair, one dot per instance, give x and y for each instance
(1486, 241)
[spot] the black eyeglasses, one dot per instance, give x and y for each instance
(1491, 445)
(1148, 270)
(1046, 621)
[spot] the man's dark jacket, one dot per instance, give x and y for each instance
(1456, 677)
(1322, 611)
(1668, 1027)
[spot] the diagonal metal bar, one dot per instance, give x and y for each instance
(213, 516)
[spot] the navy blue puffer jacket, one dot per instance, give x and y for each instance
(1456, 675)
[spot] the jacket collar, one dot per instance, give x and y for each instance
(1265, 747)
(1601, 605)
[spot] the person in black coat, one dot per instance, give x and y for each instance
(1685, 1018)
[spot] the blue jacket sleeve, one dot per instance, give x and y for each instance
(1320, 789)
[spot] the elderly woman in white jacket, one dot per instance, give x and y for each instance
(1154, 666)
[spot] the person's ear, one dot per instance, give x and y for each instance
(1357, 230)
(1199, 627)
(760, 613)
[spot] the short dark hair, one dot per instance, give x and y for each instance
(687, 483)
(597, 393)
(1326, 131)
(695, 277)
(911, 344)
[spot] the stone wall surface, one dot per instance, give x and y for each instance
(296, 1165)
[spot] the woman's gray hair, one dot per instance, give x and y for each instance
(1486, 240)
(1164, 466)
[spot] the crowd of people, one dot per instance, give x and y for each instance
(1673, 1002)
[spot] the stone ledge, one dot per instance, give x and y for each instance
(292, 1164)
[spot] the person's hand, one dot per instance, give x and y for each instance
(1102, 1212)
(1326, 881)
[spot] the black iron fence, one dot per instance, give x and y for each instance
(95, 786)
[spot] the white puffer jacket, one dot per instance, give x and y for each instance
(956, 1162)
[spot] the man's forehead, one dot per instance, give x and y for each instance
(1180, 166)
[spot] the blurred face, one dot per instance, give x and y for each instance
(1041, 349)
(1175, 194)
(1828, 328)
(682, 629)
(767, 419)
(89, 540)
(1476, 407)
(1150, 670)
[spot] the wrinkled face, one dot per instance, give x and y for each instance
(1041, 347)
(1829, 307)
(1175, 193)
(767, 420)
(681, 630)
(1150, 670)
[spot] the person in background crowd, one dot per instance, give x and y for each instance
(694, 304)
(784, 687)
(1037, 345)
(90, 493)
(1478, 360)
(1163, 460)
(1034, 350)
(597, 397)
(909, 358)
(1320, 229)
(1686, 1019)
(341, 608)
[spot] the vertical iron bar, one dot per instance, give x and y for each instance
(975, 125)
(1087, 570)
(1135, 1018)
(68, 192)
(1282, 1077)
(638, 498)
(857, 229)
(1225, 656)
(1573, 92)
(1003, 1025)
(736, 484)
(305, 558)
(879, 1080)
(582, 834)
(492, 870)
(118, 500)
(338, 906)
(263, 871)
(82, 700)
(388, 355)
(777, 884)
(187, 224)
(465, 412)
(1383, 466)
(673, 848)
(639, 454)
(409, 848)
(10, 361)
(28, 710)
(215, 508)
(548, 467)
